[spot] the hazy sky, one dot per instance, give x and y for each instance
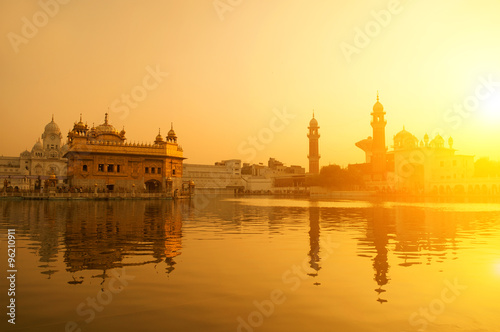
(233, 65)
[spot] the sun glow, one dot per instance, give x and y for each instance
(490, 112)
(496, 268)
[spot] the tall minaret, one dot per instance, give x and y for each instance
(313, 146)
(378, 148)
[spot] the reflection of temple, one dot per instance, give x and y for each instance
(314, 247)
(106, 236)
(379, 228)
(414, 235)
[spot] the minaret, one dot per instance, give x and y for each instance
(378, 148)
(313, 146)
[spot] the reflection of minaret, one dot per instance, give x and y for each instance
(314, 240)
(313, 146)
(378, 146)
(380, 240)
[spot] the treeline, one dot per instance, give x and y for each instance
(338, 178)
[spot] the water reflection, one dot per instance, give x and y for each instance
(100, 236)
(314, 240)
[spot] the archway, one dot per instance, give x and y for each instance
(153, 186)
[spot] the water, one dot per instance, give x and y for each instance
(253, 264)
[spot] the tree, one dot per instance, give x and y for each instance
(336, 177)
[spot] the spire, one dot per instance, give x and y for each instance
(105, 118)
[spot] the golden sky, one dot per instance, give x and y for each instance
(233, 65)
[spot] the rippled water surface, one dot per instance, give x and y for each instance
(252, 264)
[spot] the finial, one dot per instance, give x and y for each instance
(52, 117)
(171, 125)
(80, 117)
(377, 95)
(158, 131)
(105, 118)
(313, 114)
(403, 127)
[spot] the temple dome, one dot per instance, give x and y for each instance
(171, 132)
(105, 128)
(159, 138)
(52, 128)
(37, 146)
(404, 140)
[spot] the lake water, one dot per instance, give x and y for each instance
(252, 264)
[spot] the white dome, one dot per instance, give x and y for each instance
(37, 146)
(52, 128)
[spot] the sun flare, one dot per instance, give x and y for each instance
(490, 111)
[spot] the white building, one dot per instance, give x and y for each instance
(422, 166)
(225, 174)
(44, 160)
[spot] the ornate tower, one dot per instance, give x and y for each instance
(52, 136)
(378, 146)
(313, 146)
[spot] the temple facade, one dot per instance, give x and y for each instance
(100, 157)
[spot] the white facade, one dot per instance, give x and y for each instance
(221, 175)
(45, 159)
(419, 166)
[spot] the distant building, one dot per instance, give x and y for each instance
(228, 176)
(313, 155)
(44, 159)
(275, 176)
(225, 174)
(417, 166)
(100, 156)
(422, 166)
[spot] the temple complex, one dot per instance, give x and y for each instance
(100, 157)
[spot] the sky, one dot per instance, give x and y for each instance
(239, 79)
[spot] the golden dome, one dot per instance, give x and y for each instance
(171, 132)
(106, 127)
(158, 138)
